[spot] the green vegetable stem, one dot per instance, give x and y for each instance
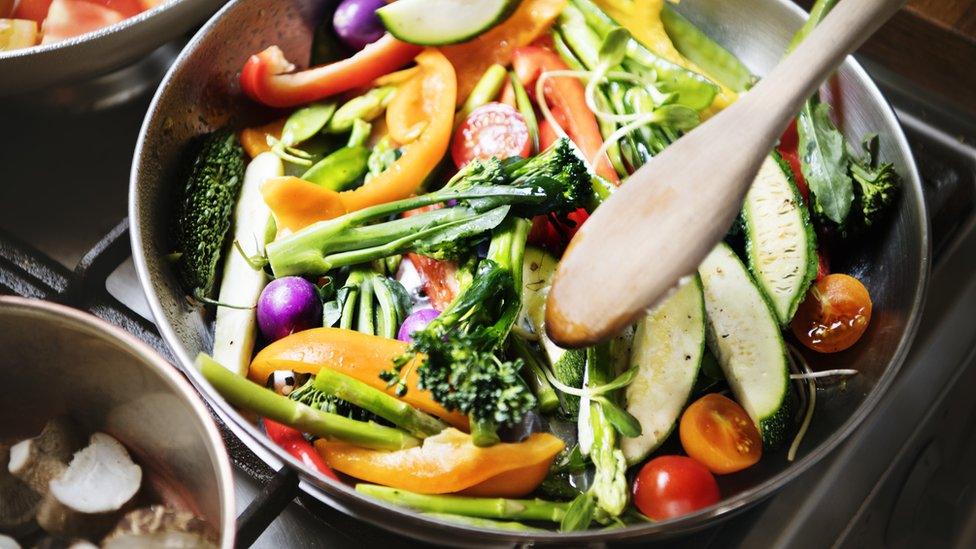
(242, 393)
(490, 508)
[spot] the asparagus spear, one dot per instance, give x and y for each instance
(534, 375)
(490, 508)
(609, 481)
(387, 407)
(244, 394)
(483, 522)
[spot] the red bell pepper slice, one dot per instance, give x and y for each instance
(266, 79)
(292, 441)
(566, 98)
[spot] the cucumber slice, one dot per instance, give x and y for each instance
(668, 347)
(538, 268)
(744, 336)
(780, 242)
(441, 22)
(235, 330)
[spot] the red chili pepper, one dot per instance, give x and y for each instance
(264, 77)
(788, 149)
(292, 441)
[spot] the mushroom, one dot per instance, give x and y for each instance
(159, 526)
(8, 543)
(36, 461)
(58, 543)
(84, 500)
(17, 501)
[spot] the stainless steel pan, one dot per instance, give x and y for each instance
(201, 93)
(98, 52)
(55, 360)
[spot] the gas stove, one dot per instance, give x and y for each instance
(901, 479)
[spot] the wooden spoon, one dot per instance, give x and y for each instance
(660, 225)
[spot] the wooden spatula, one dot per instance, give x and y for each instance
(658, 227)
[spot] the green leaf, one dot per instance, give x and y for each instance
(571, 461)
(823, 161)
(613, 50)
(625, 424)
(579, 515)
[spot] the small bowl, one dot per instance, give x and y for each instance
(60, 361)
(99, 52)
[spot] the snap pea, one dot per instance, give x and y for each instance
(698, 47)
(364, 107)
(694, 90)
(306, 122)
(340, 169)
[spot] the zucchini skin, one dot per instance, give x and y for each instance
(204, 211)
(810, 273)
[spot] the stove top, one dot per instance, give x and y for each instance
(900, 480)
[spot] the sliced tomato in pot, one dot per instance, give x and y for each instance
(492, 130)
(68, 18)
(439, 276)
(720, 435)
(35, 10)
(127, 8)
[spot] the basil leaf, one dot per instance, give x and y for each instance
(823, 161)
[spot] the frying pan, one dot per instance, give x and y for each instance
(201, 93)
(99, 52)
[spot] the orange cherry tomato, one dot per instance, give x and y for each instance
(671, 486)
(720, 435)
(492, 130)
(834, 315)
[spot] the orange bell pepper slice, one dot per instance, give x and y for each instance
(405, 116)
(472, 58)
(355, 354)
(448, 463)
(264, 77)
(297, 203)
(437, 93)
(255, 140)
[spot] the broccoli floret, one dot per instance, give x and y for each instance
(485, 192)
(310, 396)
(462, 370)
(204, 211)
(876, 185)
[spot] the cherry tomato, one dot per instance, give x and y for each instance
(720, 435)
(495, 129)
(834, 315)
(671, 486)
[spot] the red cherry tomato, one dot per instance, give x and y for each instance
(495, 129)
(671, 486)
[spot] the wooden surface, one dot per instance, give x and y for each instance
(932, 43)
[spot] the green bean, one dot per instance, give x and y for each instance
(524, 105)
(699, 48)
(484, 92)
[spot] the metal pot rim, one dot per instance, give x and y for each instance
(344, 498)
(171, 376)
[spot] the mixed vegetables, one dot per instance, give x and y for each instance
(26, 23)
(387, 249)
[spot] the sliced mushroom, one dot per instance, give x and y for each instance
(8, 543)
(17, 501)
(159, 526)
(85, 499)
(38, 460)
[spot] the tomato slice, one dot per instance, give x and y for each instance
(438, 275)
(492, 130)
(720, 435)
(68, 18)
(35, 10)
(834, 315)
(671, 486)
(127, 8)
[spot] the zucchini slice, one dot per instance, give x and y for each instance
(744, 336)
(568, 365)
(780, 242)
(441, 22)
(235, 330)
(668, 347)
